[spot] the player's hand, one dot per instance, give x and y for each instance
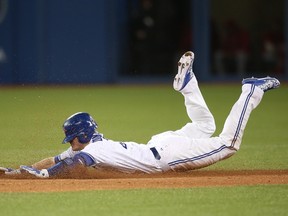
(38, 173)
(10, 171)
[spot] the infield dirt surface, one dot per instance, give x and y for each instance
(112, 180)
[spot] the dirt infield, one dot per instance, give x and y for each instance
(110, 181)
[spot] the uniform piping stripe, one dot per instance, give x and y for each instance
(242, 115)
(199, 157)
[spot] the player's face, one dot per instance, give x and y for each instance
(76, 145)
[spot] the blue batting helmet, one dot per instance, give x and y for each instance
(80, 125)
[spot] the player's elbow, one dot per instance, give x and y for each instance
(84, 159)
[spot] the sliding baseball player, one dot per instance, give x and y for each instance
(191, 147)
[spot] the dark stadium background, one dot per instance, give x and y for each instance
(121, 41)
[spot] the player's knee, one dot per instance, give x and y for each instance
(229, 153)
(213, 124)
(209, 127)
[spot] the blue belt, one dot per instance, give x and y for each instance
(155, 153)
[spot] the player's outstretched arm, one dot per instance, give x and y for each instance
(44, 164)
(67, 166)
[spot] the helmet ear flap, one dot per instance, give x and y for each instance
(83, 138)
(86, 136)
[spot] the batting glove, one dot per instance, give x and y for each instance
(38, 173)
(10, 171)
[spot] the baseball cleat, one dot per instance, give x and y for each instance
(266, 83)
(185, 72)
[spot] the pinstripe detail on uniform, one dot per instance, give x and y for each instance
(199, 157)
(242, 115)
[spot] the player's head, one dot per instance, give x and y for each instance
(80, 125)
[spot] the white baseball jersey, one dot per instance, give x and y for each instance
(127, 157)
(190, 147)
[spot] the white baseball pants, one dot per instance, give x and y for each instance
(192, 146)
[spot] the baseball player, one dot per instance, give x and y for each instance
(191, 147)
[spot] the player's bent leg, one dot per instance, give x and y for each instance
(194, 153)
(203, 124)
(198, 153)
(237, 119)
(252, 93)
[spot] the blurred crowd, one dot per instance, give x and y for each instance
(161, 30)
(236, 51)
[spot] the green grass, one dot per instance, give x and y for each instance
(197, 201)
(31, 129)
